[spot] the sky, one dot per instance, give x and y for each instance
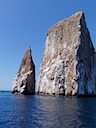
(25, 23)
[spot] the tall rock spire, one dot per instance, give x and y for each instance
(24, 81)
(27, 62)
(69, 62)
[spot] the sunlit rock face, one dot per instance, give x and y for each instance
(69, 60)
(24, 82)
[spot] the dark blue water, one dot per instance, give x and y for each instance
(19, 111)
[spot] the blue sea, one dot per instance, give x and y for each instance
(27, 111)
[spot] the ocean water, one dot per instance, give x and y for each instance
(25, 111)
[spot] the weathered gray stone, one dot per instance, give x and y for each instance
(69, 61)
(24, 82)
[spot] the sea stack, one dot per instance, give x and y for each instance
(69, 60)
(24, 82)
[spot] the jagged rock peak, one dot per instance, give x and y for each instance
(24, 82)
(69, 60)
(27, 62)
(75, 18)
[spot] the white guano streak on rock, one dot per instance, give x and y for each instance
(69, 62)
(17, 82)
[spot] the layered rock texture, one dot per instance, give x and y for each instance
(24, 82)
(69, 61)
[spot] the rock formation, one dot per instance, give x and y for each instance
(69, 61)
(24, 82)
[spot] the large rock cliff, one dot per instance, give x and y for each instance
(69, 61)
(24, 82)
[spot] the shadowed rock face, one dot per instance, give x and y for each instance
(69, 61)
(24, 82)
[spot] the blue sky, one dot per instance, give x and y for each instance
(25, 23)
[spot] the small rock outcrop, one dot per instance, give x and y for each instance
(69, 61)
(24, 82)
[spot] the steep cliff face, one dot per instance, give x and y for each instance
(69, 60)
(24, 82)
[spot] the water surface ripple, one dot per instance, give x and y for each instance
(19, 111)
